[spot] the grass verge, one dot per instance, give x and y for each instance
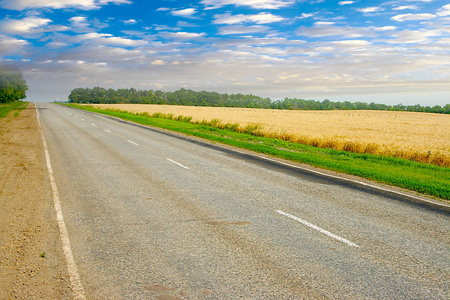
(6, 108)
(423, 178)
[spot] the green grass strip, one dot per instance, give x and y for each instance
(6, 108)
(423, 178)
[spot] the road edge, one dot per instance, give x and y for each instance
(72, 269)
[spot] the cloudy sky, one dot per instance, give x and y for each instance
(383, 51)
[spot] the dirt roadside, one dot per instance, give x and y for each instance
(32, 264)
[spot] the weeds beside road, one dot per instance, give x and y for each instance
(6, 108)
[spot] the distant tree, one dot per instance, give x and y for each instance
(446, 109)
(204, 98)
(98, 95)
(326, 104)
(78, 95)
(12, 85)
(361, 105)
(112, 96)
(399, 107)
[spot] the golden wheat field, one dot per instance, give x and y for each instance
(419, 136)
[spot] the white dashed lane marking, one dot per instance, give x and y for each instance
(315, 227)
(178, 164)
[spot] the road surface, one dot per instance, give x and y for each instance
(151, 215)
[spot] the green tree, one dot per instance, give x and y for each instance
(12, 85)
(204, 98)
(79, 95)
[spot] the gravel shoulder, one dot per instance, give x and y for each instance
(32, 264)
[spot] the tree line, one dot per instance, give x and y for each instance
(204, 98)
(12, 85)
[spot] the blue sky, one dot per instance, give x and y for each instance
(383, 51)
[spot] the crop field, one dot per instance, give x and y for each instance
(422, 137)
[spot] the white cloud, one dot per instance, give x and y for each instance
(79, 24)
(182, 35)
(164, 28)
(109, 39)
(385, 28)
(324, 29)
(413, 36)
(111, 54)
(25, 25)
(186, 24)
(262, 18)
(346, 2)
(251, 57)
(444, 11)
(321, 23)
(240, 29)
(158, 62)
(10, 44)
(129, 22)
(79, 21)
(58, 4)
(371, 9)
(57, 45)
(444, 41)
(187, 13)
(404, 7)
(413, 17)
(304, 16)
(29, 26)
(257, 4)
(353, 43)
(93, 35)
(272, 51)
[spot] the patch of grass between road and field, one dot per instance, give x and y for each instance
(423, 178)
(6, 108)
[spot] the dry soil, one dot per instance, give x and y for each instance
(32, 264)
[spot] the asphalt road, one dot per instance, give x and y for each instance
(154, 216)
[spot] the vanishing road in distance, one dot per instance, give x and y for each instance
(154, 215)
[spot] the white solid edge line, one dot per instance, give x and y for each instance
(306, 223)
(131, 142)
(72, 269)
(177, 163)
